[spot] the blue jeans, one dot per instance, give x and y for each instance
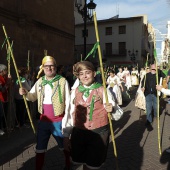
(151, 102)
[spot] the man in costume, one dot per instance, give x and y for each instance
(53, 95)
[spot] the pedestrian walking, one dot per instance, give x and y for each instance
(88, 123)
(53, 95)
(149, 88)
(115, 86)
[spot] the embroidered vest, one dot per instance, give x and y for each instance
(82, 111)
(57, 106)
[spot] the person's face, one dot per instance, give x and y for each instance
(86, 77)
(26, 76)
(3, 72)
(49, 69)
(120, 70)
(112, 74)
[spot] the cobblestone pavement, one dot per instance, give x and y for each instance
(137, 147)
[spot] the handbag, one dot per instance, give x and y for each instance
(117, 114)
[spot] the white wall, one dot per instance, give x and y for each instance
(135, 37)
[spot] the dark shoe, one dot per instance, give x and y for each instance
(147, 123)
(149, 128)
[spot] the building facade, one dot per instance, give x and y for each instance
(165, 48)
(39, 26)
(123, 41)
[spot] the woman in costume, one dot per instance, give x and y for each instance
(134, 77)
(120, 74)
(140, 97)
(114, 85)
(126, 73)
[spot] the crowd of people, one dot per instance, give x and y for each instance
(72, 107)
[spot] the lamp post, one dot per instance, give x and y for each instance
(133, 55)
(86, 12)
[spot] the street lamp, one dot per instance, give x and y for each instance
(133, 55)
(86, 12)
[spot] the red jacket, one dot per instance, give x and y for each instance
(3, 92)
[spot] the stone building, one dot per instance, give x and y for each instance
(38, 26)
(123, 41)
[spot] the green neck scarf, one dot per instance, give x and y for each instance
(50, 82)
(22, 79)
(86, 92)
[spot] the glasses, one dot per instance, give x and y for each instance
(49, 66)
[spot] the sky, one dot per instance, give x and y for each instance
(158, 12)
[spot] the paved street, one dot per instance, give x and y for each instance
(137, 146)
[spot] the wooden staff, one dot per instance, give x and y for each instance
(146, 64)
(159, 143)
(24, 97)
(104, 85)
(28, 61)
(45, 52)
(9, 58)
(10, 85)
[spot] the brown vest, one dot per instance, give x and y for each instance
(82, 111)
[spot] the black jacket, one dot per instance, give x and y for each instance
(150, 83)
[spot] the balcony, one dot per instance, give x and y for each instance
(114, 53)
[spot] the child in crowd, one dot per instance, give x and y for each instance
(88, 123)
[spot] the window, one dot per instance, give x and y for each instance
(122, 48)
(122, 29)
(108, 31)
(108, 47)
(85, 34)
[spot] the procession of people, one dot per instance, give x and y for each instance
(73, 108)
